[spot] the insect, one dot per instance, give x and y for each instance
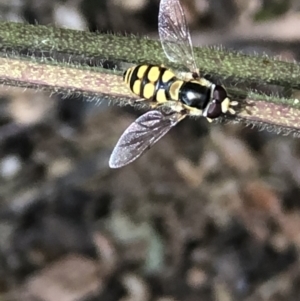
(192, 96)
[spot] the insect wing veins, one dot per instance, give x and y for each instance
(174, 34)
(141, 135)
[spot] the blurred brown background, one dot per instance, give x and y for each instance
(211, 212)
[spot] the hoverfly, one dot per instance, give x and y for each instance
(195, 96)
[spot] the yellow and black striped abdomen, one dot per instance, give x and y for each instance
(153, 82)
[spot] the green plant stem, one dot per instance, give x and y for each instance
(54, 59)
(263, 69)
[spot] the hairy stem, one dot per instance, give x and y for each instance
(68, 61)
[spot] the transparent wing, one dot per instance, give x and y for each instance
(141, 135)
(174, 34)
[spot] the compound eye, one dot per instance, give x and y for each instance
(219, 94)
(214, 109)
